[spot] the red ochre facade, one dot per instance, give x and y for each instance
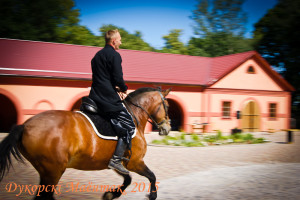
(40, 76)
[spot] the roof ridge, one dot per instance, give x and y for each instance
(154, 52)
(34, 41)
(235, 54)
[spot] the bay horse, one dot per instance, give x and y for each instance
(55, 140)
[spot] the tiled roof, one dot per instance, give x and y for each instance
(44, 59)
(164, 68)
(220, 66)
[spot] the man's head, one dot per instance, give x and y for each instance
(113, 38)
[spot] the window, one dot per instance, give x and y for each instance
(226, 107)
(272, 110)
(251, 70)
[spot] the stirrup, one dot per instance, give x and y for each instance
(118, 166)
(126, 159)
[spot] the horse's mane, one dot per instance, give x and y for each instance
(139, 91)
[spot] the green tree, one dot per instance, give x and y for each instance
(219, 27)
(277, 39)
(173, 44)
(129, 41)
(47, 20)
(219, 16)
(76, 35)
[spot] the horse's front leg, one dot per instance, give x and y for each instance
(118, 192)
(142, 169)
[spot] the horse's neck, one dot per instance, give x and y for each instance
(140, 114)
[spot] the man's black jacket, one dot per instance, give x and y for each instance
(107, 74)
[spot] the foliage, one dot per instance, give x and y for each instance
(56, 21)
(219, 16)
(182, 136)
(173, 44)
(277, 38)
(38, 20)
(220, 28)
(218, 44)
(76, 35)
(129, 41)
(195, 140)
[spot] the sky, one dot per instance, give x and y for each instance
(155, 18)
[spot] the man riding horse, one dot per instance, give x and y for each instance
(107, 82)
(55, 140)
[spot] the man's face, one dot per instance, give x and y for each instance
(117, 41)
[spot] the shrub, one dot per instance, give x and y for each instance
(195, 137)
(182, 136)
(197, 141)
(210, 138)
(259, 140)
(248, 137)
(219, 134)
(236, 136)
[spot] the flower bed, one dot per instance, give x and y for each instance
(195, 140)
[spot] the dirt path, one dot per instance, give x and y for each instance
(252, 171)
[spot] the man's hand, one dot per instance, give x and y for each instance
(119, 90)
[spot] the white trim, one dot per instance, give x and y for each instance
(38, 70)
(99, 134)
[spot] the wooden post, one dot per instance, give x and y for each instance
(289, 136)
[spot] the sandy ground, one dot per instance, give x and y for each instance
(250, 171)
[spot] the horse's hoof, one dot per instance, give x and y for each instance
(108, 196)
(152, 196)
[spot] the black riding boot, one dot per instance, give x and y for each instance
(116, 160)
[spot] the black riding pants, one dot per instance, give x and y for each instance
(123, 125)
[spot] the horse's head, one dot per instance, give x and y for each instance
(159, 114)
(154, 104)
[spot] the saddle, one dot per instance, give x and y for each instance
(100, 123)
(88, 105)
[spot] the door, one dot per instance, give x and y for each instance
(251, 117)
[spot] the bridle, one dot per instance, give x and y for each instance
(153, 121)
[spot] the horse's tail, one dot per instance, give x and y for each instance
(10, 146)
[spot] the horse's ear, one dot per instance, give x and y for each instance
(166, 92)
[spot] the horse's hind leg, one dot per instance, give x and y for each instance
(118, 191)
(142, 169)
(48, 185)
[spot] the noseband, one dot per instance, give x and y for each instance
(158, 125)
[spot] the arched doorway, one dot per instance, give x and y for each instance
(8, 114)
(175, 114)
(251, 117)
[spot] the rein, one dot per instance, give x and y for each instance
(153, 121)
